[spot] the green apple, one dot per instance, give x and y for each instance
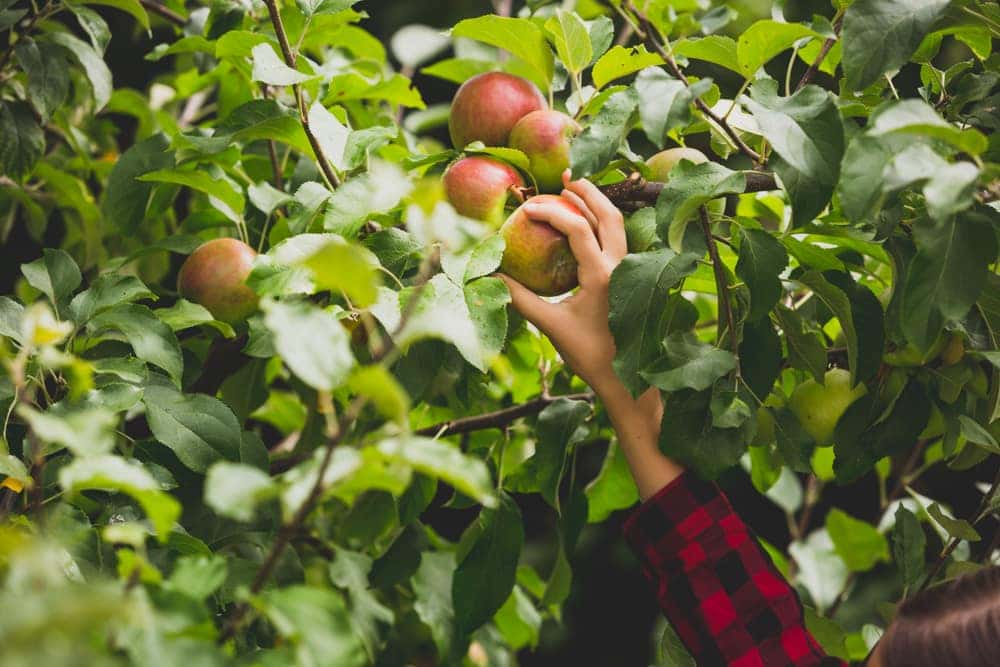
(820, 406)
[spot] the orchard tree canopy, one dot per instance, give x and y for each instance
(264, 400)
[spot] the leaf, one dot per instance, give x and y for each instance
(444, 461)
(270, 69)
(234, 490)
(113, 473)
(613, 488)
(184, 315)
(687, 434)
(349, 570)
(762, 260)
(974, 432)
(229, 199)
(432, 585)
(129, 7)
(360, 197)
(21, 140)
(485, 577)
(200, 429)
(879, 36)
(345, 267)
(638, 308)
(198, 576)
(859, 544)
(330, 132)
(621, 61)
(689, 364)
(311, 341)
(947, 274)
(86, 430)
(571, 38)
(760, 356)
(107, 290)
(384, 391)
(806, 349)
(840, 305)
(318, 7)
(317, 623)
(48, 75)
(54, 274)
(806, 132)
(717, 49)
(665, 102)
(263, 120)
(520, 37)
(765, 39)
(908, 544)
(916, 117)
(959, 529)
(690, 186)
(151, 339)
(93, 65)
(11, 313)
(592, 149)
(518, 621)
(126, 198)
(821, 571)
(415, 44)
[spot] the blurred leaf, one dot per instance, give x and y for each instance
(613, 488)
(317, 623)
(908, 544)
(55, 274)
(234, 490)
(858, 543)
(21, 140)
(440, 459)
(48, 75)
(126, 198)
(314, 344)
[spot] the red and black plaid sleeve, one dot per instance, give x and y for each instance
(716, 586)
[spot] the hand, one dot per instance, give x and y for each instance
(578, 325)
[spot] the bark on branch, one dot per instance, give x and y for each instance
(636, 192)
(499, 418)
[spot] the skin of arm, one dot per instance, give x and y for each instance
(578, 327)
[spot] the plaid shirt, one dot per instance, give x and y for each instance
(716, 586)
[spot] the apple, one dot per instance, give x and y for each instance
(661, 164)
(215, 274)
(536, 254)
(765, 428)
(487, 106)
(478, 187)
(544, 137)
(820, 406)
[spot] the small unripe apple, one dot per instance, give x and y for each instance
(536, 254)
(820, 406)
(544, 137)
(215, 274)
(661, 164)
(487, 106)
(478, 187)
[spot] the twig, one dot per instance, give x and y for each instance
(636, 192)
(499, 418)
(503, 7)
(721, 287)
(164, 12)
(648, 34)
(823, 51)
(289, 55)
(813, 488)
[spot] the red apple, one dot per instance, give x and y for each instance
(215, 274)
(478, 187)
(487, 106)
(536, 254)
(544, 137)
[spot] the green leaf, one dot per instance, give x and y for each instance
(126, 198)
(670, 650)
(613, 488)
(128, 6)
(200, 429)
(315, 7)
(229, 199)
(92, 24)
(21, 140)
(879, 36)
(639, 314)
(806, 349)
(93, 65)
(317, 623)
(86, 430)
(621, 61)
(54, 274)
(840, 305)
(13, 468)
(687, 434)
(151, 339)
(974, 432)
(764, 40)
(432, 585)
(311, 341)
(593, 148)
(331, 134)
(360, 197)
(665, 102)
(234, 490)
(806, 132)
(198, 576)
(958, 528)
(270, 69)
(184, 315)
(521, 37)
(518, 621)
(263, 120)
(113, 473)
(444, 461)
(384, 391)
(688, 364)
(485, 578)
(762, 260)
(947, 274)
(415, 44)
(345, 267)
(349, 570)
(917, 117)
(458, 70)
(859, 544)
(48, 75)
(571, 38)
(690, 186)
(908, 544)
(107, 290)
(11, 313)
(717, 49)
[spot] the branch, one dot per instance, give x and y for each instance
(286, 51)
(499, 418)
(224, 358)
(164, 12)
(648, 35)
(823, 51)
(721, 287)
(636, 192)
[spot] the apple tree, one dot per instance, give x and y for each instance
(259, 349)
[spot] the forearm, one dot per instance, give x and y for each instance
(637, 423)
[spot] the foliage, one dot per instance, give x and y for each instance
(263, 493)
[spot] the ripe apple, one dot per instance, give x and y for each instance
(661, 164)
(478, 187)
(487, 106)
(544, 137)
(215, 274)
(536, 254)
(820, 406)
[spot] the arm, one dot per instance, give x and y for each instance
(715, 584)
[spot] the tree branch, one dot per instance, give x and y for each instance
(224, 358)
(648, 34)
(289, 55)
(823, 51)
(499, 418)
(164, 12)
(636, 192)
(721, 287)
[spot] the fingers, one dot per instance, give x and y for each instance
(575, 227)
(610, 224)
(584, 209)
(536, 310)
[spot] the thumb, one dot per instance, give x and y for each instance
(536, 310)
